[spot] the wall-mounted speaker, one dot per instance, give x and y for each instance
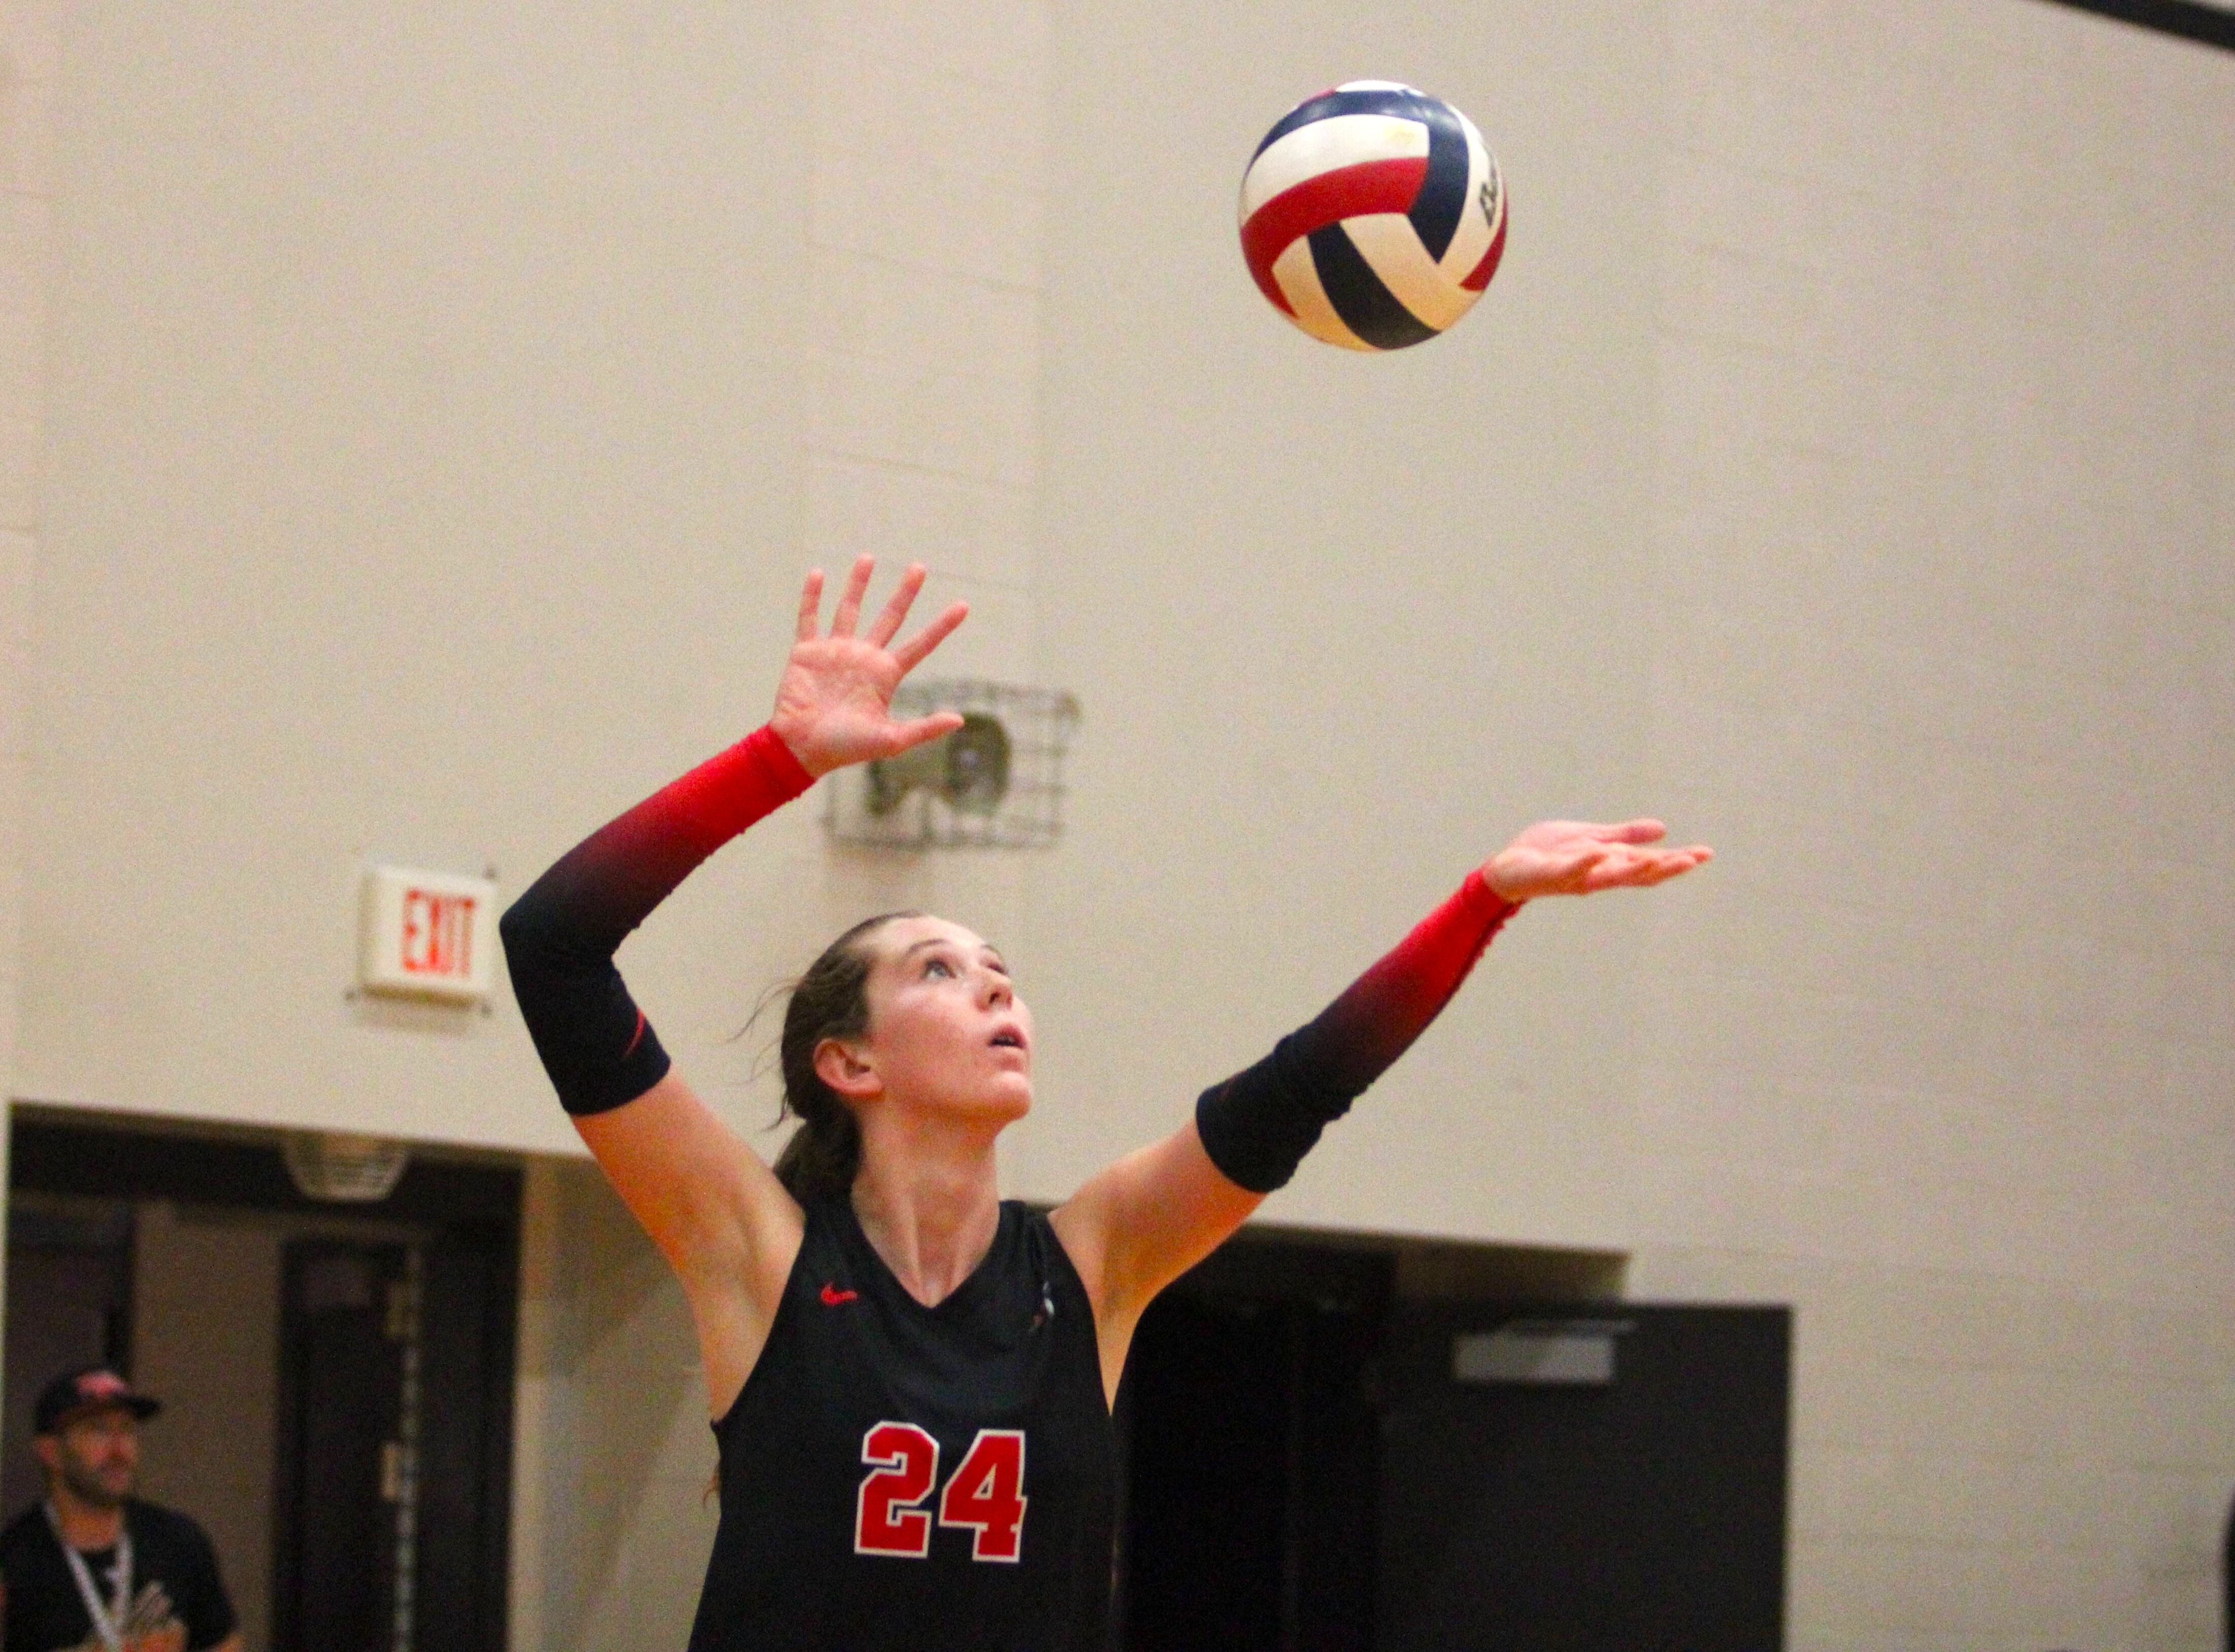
(995, 782)
(968, 770)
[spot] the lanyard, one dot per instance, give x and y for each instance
(110, 1630)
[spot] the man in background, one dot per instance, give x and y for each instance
(92, 1568)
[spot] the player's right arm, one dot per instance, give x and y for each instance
(724, 1222)
(1138, 1225)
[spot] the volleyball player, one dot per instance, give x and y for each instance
(910, 1379)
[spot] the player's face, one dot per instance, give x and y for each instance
(946, 1029)
(98, 1457)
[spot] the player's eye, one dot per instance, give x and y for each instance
(936, 966)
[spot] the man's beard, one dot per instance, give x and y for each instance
(88, 1487)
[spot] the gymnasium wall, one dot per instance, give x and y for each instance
(205, 1312)
(1946, 1056)
(1343, 624)
(442, 402)
(611, 1522)
(27, 78)
(447, 401)
(1841, 467)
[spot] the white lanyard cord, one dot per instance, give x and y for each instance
(110, 1630)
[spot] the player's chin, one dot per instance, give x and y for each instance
(1007, 1098)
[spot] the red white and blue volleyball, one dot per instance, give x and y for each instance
(1372, 216)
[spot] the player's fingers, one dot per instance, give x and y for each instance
(1584, 867)
(1632, 831)
(811, 607)
(905, 735)
(888, 622)
(849, 602)
(1659, 868)
(1613, 869)
(910, 653)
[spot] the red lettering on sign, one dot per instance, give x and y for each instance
(438, 934)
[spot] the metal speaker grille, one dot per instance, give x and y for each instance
(933, 797)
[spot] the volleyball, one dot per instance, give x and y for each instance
(1372, 216)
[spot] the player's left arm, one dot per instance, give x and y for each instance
(1150, 1217)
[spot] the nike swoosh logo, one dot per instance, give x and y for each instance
(832, 1297)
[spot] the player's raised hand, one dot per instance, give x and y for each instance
(834, 706)
(1582, 857)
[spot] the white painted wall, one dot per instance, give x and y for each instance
(1840, 466)
(611, 1523)
(449, 402)
(1945, 614)
(1344, 623)
(443, 403)
(28, 62)
(206, 1339)
(424, 444)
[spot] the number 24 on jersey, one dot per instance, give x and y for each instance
(985, 1495)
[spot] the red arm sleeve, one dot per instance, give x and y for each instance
(560, 937)
(1258, 1125)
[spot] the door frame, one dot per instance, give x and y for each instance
(456, 1201)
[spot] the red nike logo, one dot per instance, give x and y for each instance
(832, 1297)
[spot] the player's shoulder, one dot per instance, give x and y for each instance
(152, 1521)
(1025, 1228)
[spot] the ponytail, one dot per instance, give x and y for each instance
(829, 1001)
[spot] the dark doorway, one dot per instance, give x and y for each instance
(1248, 1443)
(70, 1304)
(1311, 1465)
(341, 1537)
(387, 1362)
(1597, 1481)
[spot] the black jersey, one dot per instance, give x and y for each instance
(177, 1599)
(903, 1477)
(894, 1475)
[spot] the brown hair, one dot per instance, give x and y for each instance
(829, 1001)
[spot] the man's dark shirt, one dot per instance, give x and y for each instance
(179, 1600)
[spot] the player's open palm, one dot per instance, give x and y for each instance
(834, 706)
(1582, 857)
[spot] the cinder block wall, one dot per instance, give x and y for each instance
(1942, 607)
(919, 357)
(27, 54)
(1840, 466)
(27, 77)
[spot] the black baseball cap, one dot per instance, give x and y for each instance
(80, 1393)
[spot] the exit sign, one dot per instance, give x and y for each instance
(427, 934)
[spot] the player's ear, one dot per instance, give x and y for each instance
(50, 1452)
(846, 1069)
